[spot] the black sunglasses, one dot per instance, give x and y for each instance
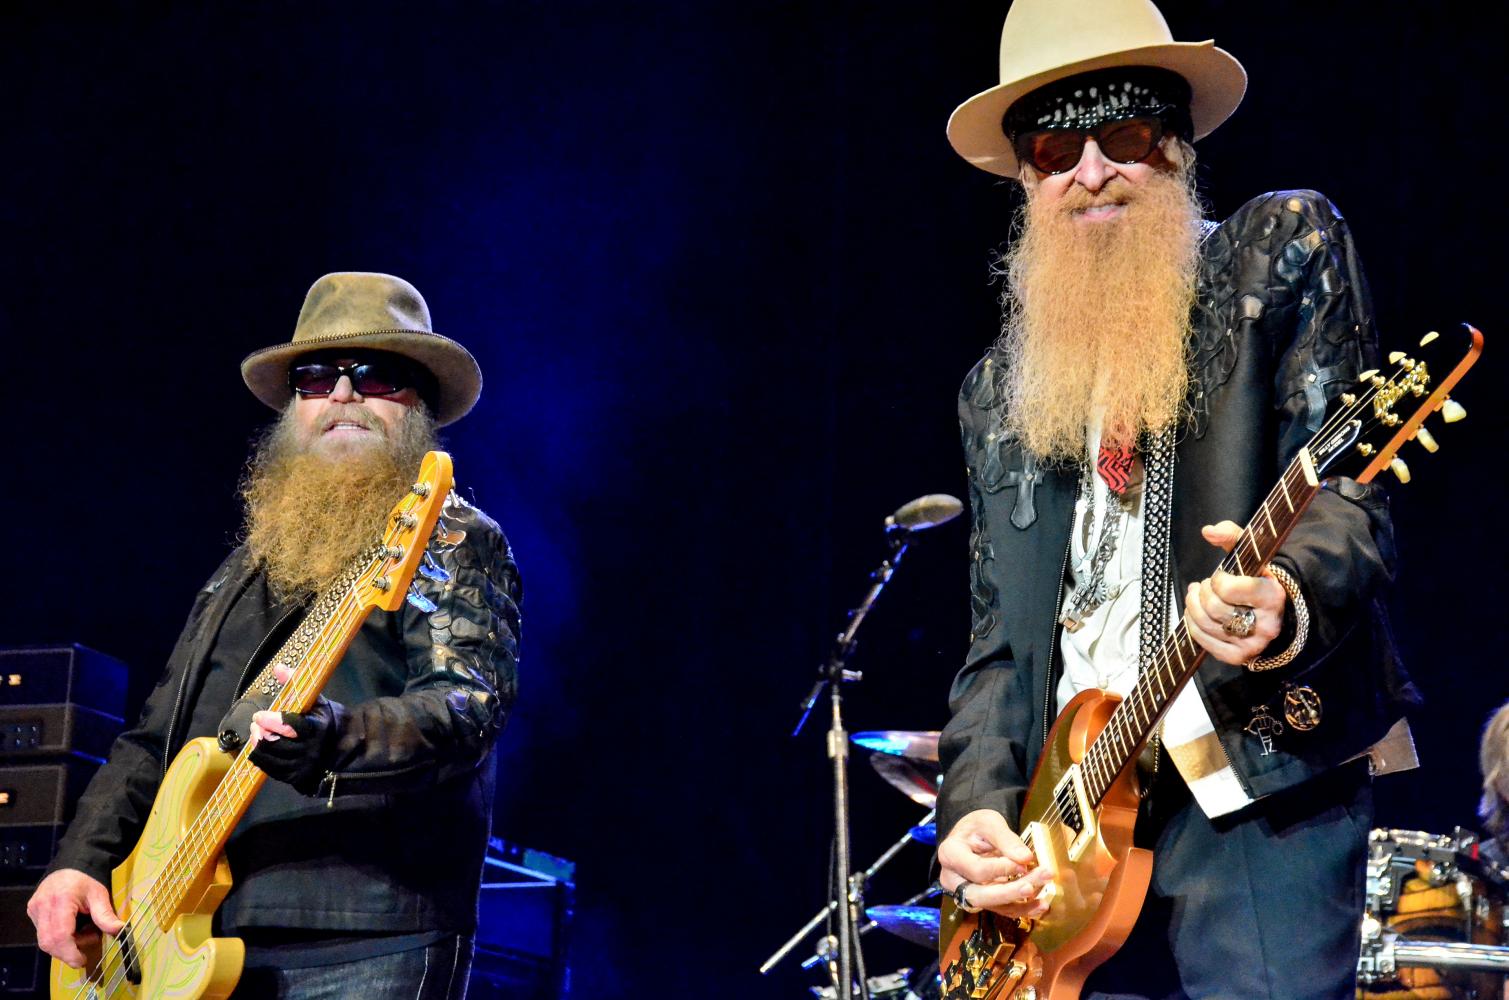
(1124, 140)
(368, 378)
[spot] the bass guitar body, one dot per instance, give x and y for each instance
(1100, 883)
(165, 955)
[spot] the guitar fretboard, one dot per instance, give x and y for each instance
(1131, 725)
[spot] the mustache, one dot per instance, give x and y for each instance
(1117, 191)
(350, 413)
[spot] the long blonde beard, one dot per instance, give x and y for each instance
(310, 512)
(1096, 325)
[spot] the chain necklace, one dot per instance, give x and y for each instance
(1094, 592)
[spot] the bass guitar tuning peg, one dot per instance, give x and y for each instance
(1452, 411)
(1426, 440)
(418, 600)
(1399, 469)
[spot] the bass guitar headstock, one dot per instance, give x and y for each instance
(384, 581)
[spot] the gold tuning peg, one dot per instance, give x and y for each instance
(1398, 468)
(1452, 411)
(1432, 335)
(1427, 441)
(1395, 357)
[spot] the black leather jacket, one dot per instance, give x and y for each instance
(1283, 323)
(397, 845)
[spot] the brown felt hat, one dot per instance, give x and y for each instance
(363, 309)
(1044, 41)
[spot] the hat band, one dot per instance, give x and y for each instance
(1085, 100)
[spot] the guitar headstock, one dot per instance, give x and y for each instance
(1374, 420)
(384, 582)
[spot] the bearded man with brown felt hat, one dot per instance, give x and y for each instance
(1154, 374)
(361, 863)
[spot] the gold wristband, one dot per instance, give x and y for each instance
(1301, 623)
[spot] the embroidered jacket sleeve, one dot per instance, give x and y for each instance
(1342, 551)
(462, 663)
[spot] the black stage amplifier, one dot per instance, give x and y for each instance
(60, 709)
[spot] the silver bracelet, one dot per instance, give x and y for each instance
(1301, 623)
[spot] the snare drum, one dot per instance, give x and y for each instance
(1428, 887)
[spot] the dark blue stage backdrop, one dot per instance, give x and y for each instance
(723, 275)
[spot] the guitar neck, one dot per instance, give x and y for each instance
(1133, 722)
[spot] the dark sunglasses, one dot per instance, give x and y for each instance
(368, 378)
(1125, 140)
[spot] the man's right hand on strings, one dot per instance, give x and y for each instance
(1001, 871)
(55, 908)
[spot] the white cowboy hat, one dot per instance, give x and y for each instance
(1044, 41)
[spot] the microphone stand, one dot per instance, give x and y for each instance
(833, 675)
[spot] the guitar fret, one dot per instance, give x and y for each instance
(1268, 516)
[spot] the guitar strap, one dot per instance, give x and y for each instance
(1157, 594)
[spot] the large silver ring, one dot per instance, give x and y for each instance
(962, 901)
(1240, 622)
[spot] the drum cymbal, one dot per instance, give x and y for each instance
(918, 782)
(913, 745)
(917, 924)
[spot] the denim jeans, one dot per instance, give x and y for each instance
(439, 972)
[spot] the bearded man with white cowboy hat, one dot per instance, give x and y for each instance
(1154, 374)
(361, 862)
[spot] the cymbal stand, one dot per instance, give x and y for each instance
(859, 878)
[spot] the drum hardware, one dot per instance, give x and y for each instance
(847, 891)
(857, 880)
(896, 986)
(931, 892)
(1384, 953)
(1432, 904)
